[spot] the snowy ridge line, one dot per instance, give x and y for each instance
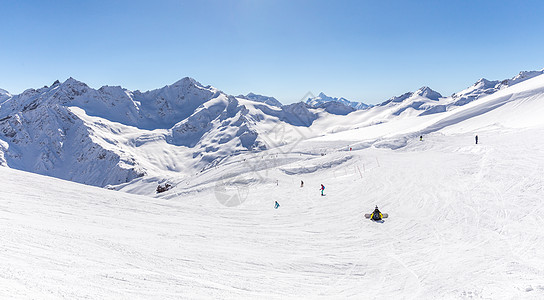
(316, 167)
(398, 138)
(489, 103)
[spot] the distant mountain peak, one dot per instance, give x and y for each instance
(260, 98)
(4, 95)
(429, 93)
(322, 98)
(185, 81)
(73, 81)
(481, 80)
(73, 85)
(189, 80)
(524, 75)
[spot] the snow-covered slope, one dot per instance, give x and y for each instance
(464, 222)
(464, 218)
(485, 87)
(426, 101)
(260, 98)
(516, 106)
(409, 111)
(4, 95)
(522, 103)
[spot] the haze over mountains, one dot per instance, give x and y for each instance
(112, 135)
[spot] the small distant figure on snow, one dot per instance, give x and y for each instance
(301, 183)
(476, 137)
(421, 138)
(161, 189)
(349, 148)
(322, 189)
(277, 182)
(376, 215)
(276, 204)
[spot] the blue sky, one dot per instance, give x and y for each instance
(363, 50)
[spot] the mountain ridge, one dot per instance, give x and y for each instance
(321, 98)
(112, 135)
(43, 129)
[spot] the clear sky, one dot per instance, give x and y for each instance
(363, 50)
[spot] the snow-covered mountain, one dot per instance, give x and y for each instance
(260, 98)
(425, 99)
(4, 95)
(111, 135)
(485, 87)
(321, 99)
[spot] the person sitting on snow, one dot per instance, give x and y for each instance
(376, 215)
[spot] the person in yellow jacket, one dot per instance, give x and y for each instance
(376, 215)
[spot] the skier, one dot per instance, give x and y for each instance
(421, 138)
(276, 204)
(322, 189)
(376, 215)
(301, 183)
(476, 137)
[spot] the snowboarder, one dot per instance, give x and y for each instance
(376, 215)
(476, 137)
(301, 183)
(322, 189)
(276, 204)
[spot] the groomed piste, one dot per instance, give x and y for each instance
(465, 219)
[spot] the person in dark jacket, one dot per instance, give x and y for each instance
(476, 137)
(376, 215)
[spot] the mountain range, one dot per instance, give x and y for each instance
(112, 136)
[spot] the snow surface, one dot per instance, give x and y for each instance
(465, 219)
(4, 95)
(260, 98)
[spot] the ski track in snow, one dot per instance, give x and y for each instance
(465, 222)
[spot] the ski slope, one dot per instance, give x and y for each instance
(465, 222)
(465, 219)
